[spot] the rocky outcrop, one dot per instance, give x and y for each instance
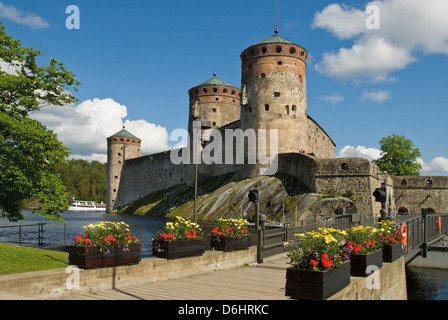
(280, 197)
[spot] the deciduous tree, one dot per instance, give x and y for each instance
(399, 156)
(28, 151)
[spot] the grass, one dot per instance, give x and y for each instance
(18, 259)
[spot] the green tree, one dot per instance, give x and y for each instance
(399, 156)
(28, 151)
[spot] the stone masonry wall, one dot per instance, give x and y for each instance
(412, 194)
(351, 176)
(319, 143)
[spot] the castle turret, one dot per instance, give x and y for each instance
(216, 101)
(120, 147)
(273, 85)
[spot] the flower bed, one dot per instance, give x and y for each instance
(105, 244)
(179, 239)
(320, 264)
(318, 250)
(391, 237)
(231, 234)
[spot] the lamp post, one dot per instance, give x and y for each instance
(197, 149)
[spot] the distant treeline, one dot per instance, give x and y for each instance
(84, 180)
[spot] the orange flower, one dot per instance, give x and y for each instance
(87, 241)
(314, 262)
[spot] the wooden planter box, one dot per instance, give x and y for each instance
(96, 257)
(360, 263)
(392, 252)
(178, 249)
(230, 244)
(316, 285)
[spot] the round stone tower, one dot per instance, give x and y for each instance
(273, 86)
(120, 147)
(216, 101)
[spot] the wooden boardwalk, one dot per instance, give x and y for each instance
(260, 282)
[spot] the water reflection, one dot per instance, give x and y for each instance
(427, 284)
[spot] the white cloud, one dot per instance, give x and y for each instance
(335, 98)
(84, 128)
(406, 27)
(371, 59)
(439, 164)
(31, 20)
(378, 96)
(344, 22)
(359, 152)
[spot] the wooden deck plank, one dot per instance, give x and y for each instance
(232, 284)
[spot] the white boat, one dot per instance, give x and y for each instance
(82, 205)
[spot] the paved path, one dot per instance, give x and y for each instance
(260, 282)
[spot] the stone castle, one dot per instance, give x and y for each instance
(272, 95)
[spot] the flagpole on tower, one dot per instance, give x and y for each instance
(276, 17)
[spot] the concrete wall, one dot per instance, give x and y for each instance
(434, 259)
(52, 283)
(387, 283)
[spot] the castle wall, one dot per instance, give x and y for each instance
(145, 175)
(412, 194)
(352, 176)
(319, 143)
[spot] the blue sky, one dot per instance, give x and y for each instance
(138, 59)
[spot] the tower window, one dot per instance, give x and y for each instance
(263, 75)
(280, 63)
(214, 124)
(250, 109)
(344, 166)
(214, 110)
(215, 90)
(277, 94)
(217, 99)
(294, 108)
(204, 90)
(292, 50)
(429, 181)
(287, 110)
(264, 50)
(278, 49)
(404, 182)
(266, 107)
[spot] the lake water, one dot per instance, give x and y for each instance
(427, 283)
(55, 234)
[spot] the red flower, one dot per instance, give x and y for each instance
(78, 238)
(314, 262)
(325, 256)
(87, 241)
(327, 263)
